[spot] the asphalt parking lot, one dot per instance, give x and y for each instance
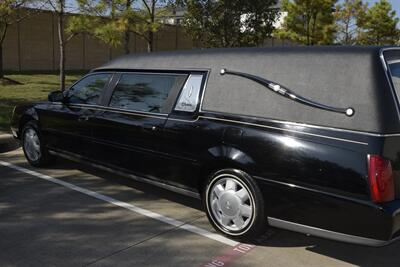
(73, 215)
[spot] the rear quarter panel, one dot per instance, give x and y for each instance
(311, 176)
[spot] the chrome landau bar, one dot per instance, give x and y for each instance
(281, 90)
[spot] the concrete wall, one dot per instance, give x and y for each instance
(33, 45)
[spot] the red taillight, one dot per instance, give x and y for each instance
(380, 179)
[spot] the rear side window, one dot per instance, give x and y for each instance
(89, 89)
(392, 57)
(144, 92)
(395, 71)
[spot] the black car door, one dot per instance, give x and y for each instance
(186, 138)
(129, 132)
(66, 126)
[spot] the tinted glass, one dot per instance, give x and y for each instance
(143, 92)
(88, 90)
(395, 71)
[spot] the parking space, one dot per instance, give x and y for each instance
(72, 215)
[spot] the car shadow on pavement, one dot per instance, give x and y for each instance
(61, 230)
(277, 238)
(8, 143)
(353, 254)
(144, 187)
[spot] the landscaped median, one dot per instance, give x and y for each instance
(32, 87)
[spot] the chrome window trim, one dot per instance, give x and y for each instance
(150, 70)
(388, 78)
(142, 73)
(136, 111)
(122, 111)
(92, 74)
(204, 88)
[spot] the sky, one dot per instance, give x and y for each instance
(395, 4)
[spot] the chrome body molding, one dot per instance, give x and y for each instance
(326, 233)
(169, 187)
(163, 116)
(316, 191)
(283, 129)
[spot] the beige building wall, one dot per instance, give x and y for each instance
(32, 44)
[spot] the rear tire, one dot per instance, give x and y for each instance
(234, 205)
(33, 146)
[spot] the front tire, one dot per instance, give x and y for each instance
(32, 144)
(234, 205)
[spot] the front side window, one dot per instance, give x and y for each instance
(144, 92)
(89, 89)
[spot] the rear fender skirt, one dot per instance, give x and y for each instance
(232, 155)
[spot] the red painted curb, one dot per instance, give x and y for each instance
(229, 255)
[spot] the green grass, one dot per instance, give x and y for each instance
(34, 87)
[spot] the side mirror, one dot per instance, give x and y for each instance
(57, 96)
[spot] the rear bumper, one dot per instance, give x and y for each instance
(332, 216)
(328, 234)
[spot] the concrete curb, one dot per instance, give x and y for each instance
(8, 143)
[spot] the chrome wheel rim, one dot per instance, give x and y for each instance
(32, 145)
(231, 204)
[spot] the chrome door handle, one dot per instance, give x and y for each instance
(150, 127)
(83, 118)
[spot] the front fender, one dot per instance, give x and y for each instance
(21, 115)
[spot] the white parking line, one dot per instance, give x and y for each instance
(144, 212)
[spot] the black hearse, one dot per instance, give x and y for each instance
(306, 139)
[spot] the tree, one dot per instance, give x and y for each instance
(10, 14)
(59, 8)
(212, 23)
(99, 19)
(349, 16)
(309, 22)
(113, 21)
(257, 21)
(379, 25)
(231, 23)
(147, 20)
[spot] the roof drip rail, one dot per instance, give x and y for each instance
(281, 90)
